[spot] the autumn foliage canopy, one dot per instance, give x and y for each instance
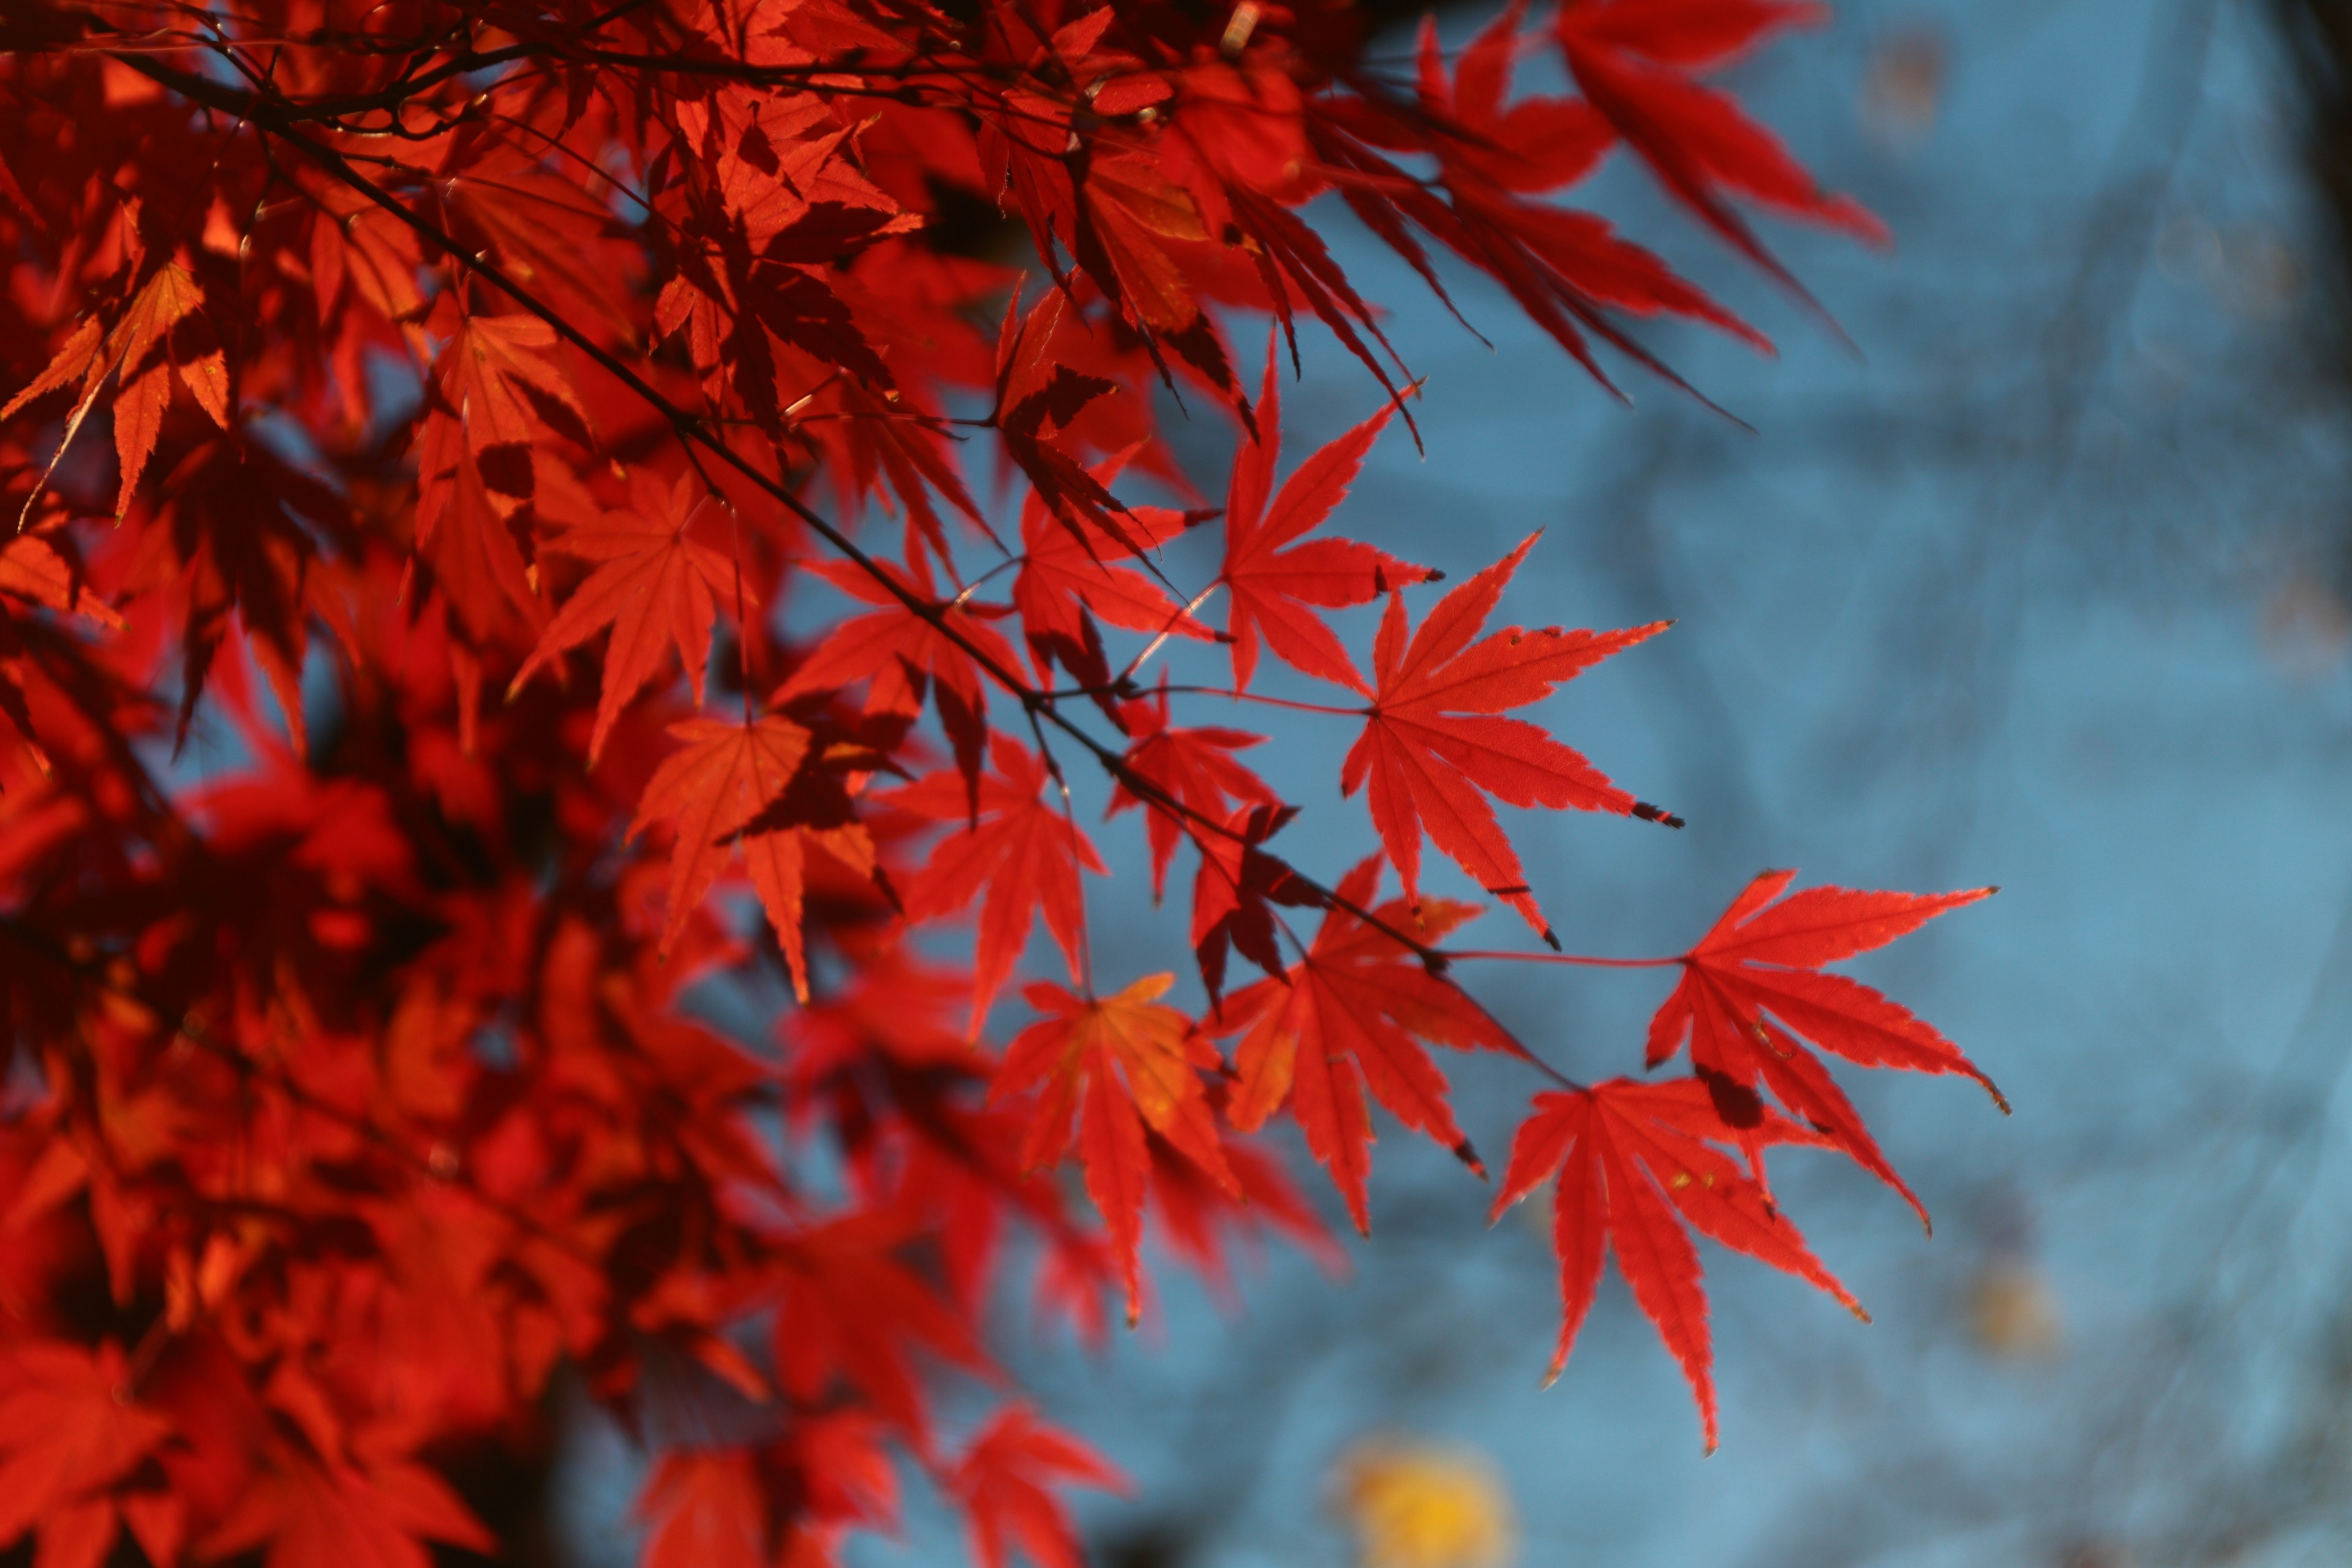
(525, 516)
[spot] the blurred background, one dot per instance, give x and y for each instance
(2045, 582)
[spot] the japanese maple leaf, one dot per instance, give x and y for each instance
(652, 585)
(854, 1308)
(68, 1429)
(1006, 1480)
(1036, 397)
(901, 653)
(1634, 60)
(726, 775)
(1536, 144)
(1435, 746)
(1277, 584)
(1637, 1165)
(501, 377)
(1066, 579)
(159, 333)
(310, 1513)
(1752, 992)
(1019, 847)
(1194, 767)
(1235, 892)
(1352, 1015)
(1120, 1063)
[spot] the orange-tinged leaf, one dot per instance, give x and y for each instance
(1120, 1063)
(1435, 746)
(1637, 1170)
(726, 775)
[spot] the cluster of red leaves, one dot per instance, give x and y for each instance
(477, 369)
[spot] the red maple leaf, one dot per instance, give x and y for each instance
(1752, 990)
(1066, 579)
(728, 772)
(1006, 1480)
(652, 584)
(1637, 1166)
(1119, 1063)
(1016, 845)
(68, 1430)
(309, 1513)
(1433, 740)
(901, 653)
(1279, 586)
(1192, 766)
(1634, 60)
(158, 332)
(1351, 1015)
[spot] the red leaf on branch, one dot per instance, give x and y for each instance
(1352, 1015)
(726, 775)
(652, 585)
(1752, 990)
(1433, 747)
(1193, 767)
(1637, 1171)
(1007, 1481)
(68, 1429)
(1278, 584)
(1018, 846)
(1633, 60)
(159, 333)
(1118, 1063)
(902, 654)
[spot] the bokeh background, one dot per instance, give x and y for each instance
(2043, 582)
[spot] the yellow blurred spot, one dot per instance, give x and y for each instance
(1414, 1505)
(2014, 1312)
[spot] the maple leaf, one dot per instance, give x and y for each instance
(652, 584)
(1633, 58)
(1234, 890)
(1752, 990)
(1119, 1063)
(1006, 1479)
(1350, 1017)
(310, 1513)
(726, 775)
(1434, 747)
(1016, 845)
(901, 653)
(705, 1510)
(1637, 1166)
(854, 1309)
(159, 333)
(68, 1429)
(1064, 582)
(1192, 766)
(1277, 584)
(499, 376)
(1535, 145)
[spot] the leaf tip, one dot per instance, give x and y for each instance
(1658, 814)
(1469, 1156)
